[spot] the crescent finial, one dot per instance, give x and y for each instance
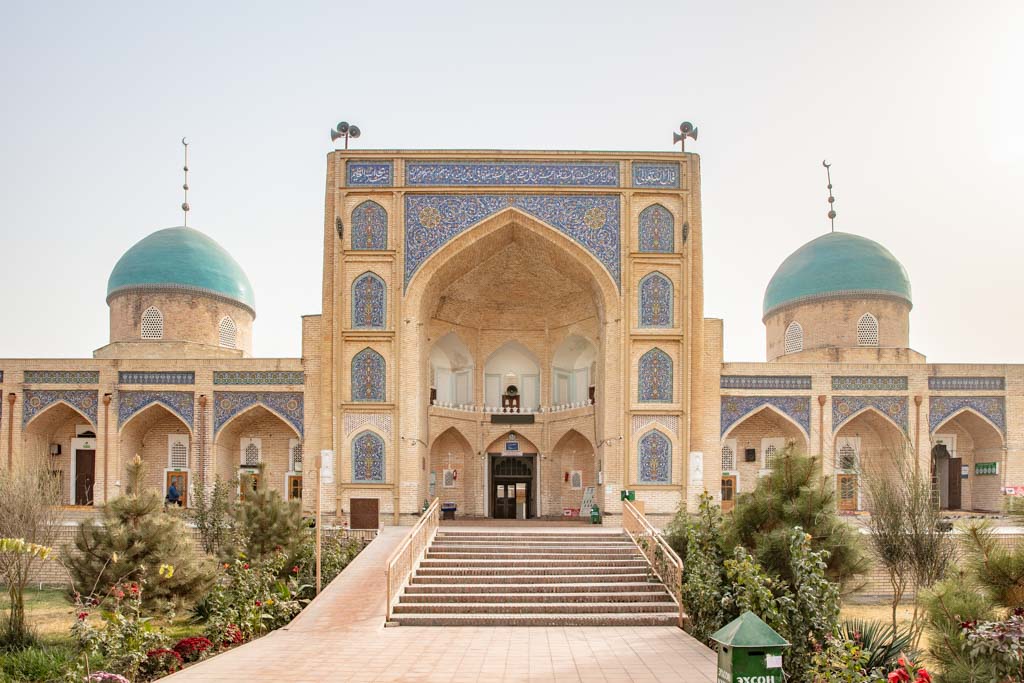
(824, 162)
(184, 142)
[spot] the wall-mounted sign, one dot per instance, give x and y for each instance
(1014, 490)
(986, 468)
(965, 471)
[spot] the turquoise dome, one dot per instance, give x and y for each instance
(181, 258)
(837, 263)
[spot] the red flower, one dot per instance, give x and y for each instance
(233, 635)
(902, 661)
(295, 569)
(245, 566)
(119, 594)
(899, 676)
(259, 604)
(82, 616)
(923, 676)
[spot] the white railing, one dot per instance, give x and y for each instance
(664, 561)
(410, 551)
(512, 410)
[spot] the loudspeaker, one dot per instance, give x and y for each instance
(750, 455)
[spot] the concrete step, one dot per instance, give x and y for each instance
(502, 563)
(561, 549)
(539, 570)
(603, 543)
(535, 598)
(572, 537)
(534, 608)
(553, 588)
(490, 578)
(614, 619)
(518, 555)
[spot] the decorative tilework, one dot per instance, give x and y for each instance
(655, 174)
(368, 376)
(431, 221)
(523, 173)
(669, 422)
(368, 302)
(655, 301)
(734, 408)
(368, 458)
(354, 421)
(181, 403)
(967, 383)
(654, 462)
(38, 400)
(765, 382)
(655, 377)
(246, 377)
(893, 407)
(657, 230)
(369, 173)
(288, 405)
(940, 408)
(868, 383)
(62, 376)
(155, 377)
(369, 226)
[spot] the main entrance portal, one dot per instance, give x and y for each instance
(512, 481)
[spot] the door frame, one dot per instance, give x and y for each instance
(734, 477)
(188, 483)
(74, 476)
(532, 489)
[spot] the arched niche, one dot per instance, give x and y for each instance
(573, 371)
(968, 439)
(451, 371)
(256, 440)
(164, 443)
(512, 371)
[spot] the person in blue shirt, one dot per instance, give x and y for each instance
(173, 495)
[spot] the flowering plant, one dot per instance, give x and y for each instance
(193, 649)
(160, 662)
(907, 672)
(1000, 644)
(105, 677)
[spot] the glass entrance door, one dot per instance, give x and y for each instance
(504, 501)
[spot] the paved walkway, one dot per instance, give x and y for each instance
(341, 637)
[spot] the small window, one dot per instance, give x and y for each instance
(576, 480)
(867, 330)
(449, 479)
(729, 455)
(770, 449)
(152, 323)
(294, 455)
(228, 332)
(847, 449)
(794, 338)
(177, 452)
(252, 452)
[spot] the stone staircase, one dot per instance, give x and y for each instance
(535, 578)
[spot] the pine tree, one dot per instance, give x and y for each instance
(136, 537)
(265, 522)
(794, 494)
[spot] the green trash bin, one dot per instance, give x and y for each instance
(628, 495)
(595, 514)
(749, 651)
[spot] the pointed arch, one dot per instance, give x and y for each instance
(794, 339)
(984, 419)
(657, 230)
(654, 458)
(655, 377)
(572, 433)
(369, 302)
(151, 326)
(867, 330)
(146, 408)
(369, 226)
(369, 376)
(48, 411)
(874, 410)
(368, 458)
(255, 407)
(775, 410)
(656, 300)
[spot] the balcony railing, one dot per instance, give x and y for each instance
(513, 410)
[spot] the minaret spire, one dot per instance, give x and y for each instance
(184, 205)
(831, 199)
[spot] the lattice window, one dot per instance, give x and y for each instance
(152, 323)
(729, 455)
(228, 332)
(252, 452)
(770, 449)
(294, 455)
(794, 338)
(177, 452)
(449, 479)
(847, 449)
(867, 330)
(576, 479)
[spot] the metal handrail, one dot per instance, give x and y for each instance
(663, 560)
(410, 551)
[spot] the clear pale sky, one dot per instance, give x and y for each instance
(918, 105)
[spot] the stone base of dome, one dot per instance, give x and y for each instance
(165, 349)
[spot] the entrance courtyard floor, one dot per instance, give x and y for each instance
(341, 636)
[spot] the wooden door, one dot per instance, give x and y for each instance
(365, 513)
(847, 485)
(504, 501)
(180, 481)
(85, 476)
(728, 492)
(955, 483)
(294, 487)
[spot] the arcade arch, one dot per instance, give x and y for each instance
(967, 440)
(258, 440)
(66, 438)
(164, 443)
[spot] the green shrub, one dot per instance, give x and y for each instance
(881, 643)
(265, 523)
(248, 599)
(702, 570)
(949, 605)
(36, 663)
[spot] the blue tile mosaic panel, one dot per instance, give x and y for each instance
(868, 383)
(431, 221)
(765, 382)
(654, 462)
(288, 405)
(181, 403)
(967, 383)
(267, 377)
(522, 173)
(62, 376)
(368, 458)
(369, 299)
(657, 230)
(155, 377)
(369, 226)
(655, 301)
(368, 376)
(735, 408)
(893, 407)
(655, 380)
(656, 174)
(38, 400)
(369, 173)
(941, 408)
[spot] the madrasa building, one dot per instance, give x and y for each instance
(517, 333)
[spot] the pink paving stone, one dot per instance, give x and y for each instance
(340, 636)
